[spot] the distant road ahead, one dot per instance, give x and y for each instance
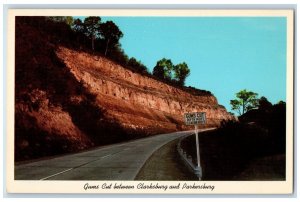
(114, 162)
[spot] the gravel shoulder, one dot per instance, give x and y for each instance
(165, 164)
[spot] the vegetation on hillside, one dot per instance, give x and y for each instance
(244, 102)
(176, 74)
(258, 136)
(97, 37)
(46, 89)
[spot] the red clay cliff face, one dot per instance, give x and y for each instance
(67, 100)
(136, 101)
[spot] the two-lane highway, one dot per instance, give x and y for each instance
(114, 162)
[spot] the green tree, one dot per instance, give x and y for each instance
(163, 69)
(58, 18)
(264, 104)
(181, 71)
(69, 20)
(111, 34)
(281, 103)
(92, 25)
(137, 65)
(66, 19)
(80, 29)
(117, 54)
(79, 26)
(246, 100)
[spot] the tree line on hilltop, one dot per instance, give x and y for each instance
(269, 119)
(247, 101)
(252, 147)
(91, 34)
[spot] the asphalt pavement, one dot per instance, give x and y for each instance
(120, 161)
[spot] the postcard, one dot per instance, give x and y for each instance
(150, 101)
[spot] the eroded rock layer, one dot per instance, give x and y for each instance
(137, 101)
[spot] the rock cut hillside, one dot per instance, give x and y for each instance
(68, 100)
(136, 101)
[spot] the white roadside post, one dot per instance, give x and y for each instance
(195, 119)
(199, 169)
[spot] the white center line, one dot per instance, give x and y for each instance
(105, 156)
(56, 174)
(67, 170)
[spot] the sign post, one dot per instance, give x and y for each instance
(198, 153)
(195, 119)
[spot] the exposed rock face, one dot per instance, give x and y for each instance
(68, 100)
(138, 102)
(49, 119)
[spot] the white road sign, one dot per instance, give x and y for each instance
(195, 118)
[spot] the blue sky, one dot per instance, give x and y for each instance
(225, 54)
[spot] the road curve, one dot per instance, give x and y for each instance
(114, 162)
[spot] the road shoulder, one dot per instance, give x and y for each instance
(165, 164)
